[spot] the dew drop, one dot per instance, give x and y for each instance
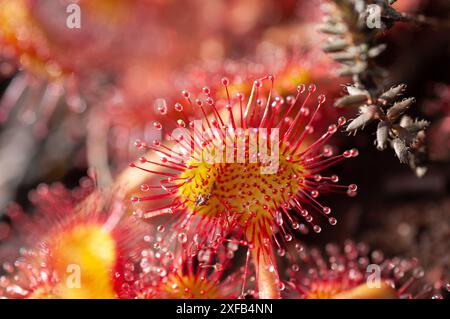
(354, 152)
(161, 106)
(418, 273)
(157, 125)
(196, 238)
(332, 129)
(278, 218)
(8, 267)
(332, 221)
(317, 228)
(138, 144)
(206, 90)
(182, 238)
(169, 255)
(341, 121)
(327, 151)
(322, 98)
(178, 107)
(128, 276)
(301, 88)
(309, 129)
(15, 289)
(326, 210)
(181, 123)
(161, 228)
(312, 88)
(135, 199)
(303, 229)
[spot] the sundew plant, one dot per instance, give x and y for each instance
(224, 149)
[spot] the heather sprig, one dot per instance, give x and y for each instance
(353, 42)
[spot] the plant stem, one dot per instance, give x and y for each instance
(266, 273)
(364, 292)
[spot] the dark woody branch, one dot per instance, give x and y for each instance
(353, 27)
